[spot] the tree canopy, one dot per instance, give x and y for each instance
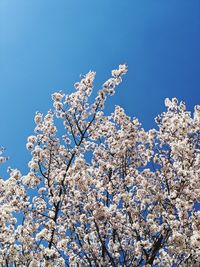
(102, 191)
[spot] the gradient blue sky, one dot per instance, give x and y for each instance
(46, 44)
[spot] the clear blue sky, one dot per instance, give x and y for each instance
(46, 44)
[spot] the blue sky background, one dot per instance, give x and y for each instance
(46, 44)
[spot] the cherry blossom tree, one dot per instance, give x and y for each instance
(102, 191)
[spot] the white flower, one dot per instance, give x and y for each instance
(29, 146)
(57, 96)
(32, 139)
(195, 239)
(38, 118)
